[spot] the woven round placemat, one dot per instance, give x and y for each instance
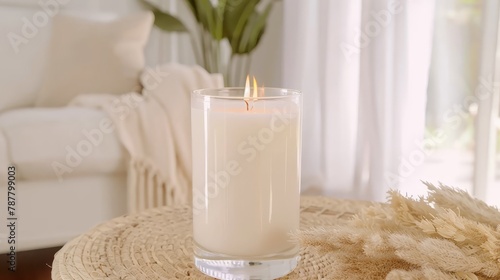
(157, 244)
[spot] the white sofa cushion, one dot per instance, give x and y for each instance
(23, 50)
(57, 143)
(89, 56)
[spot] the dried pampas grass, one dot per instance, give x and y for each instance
(447, 235)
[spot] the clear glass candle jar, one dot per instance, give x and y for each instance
(246, 181)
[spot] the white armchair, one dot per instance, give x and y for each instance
(68, 178)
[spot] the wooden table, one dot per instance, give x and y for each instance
(157, 244)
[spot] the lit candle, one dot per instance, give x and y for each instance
(246, 174)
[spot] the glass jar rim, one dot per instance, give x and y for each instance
(209, 92)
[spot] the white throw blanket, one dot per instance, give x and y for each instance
(155, 129)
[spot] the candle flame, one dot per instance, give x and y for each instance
(248, 91)
(247, 87)
(255, 91)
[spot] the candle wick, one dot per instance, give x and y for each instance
(248, 105)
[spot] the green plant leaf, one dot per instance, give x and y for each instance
(168, 22)
(259, 28)
(206, 15)
(254, 29)
(192, 5)
(245, 37)
(233, 14)
(219, 19)
(240, 24)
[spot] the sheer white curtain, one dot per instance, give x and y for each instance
(488, 99)
(363, 67)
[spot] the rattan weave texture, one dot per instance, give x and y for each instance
(157, 244)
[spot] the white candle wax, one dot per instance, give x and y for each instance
(246, 176)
